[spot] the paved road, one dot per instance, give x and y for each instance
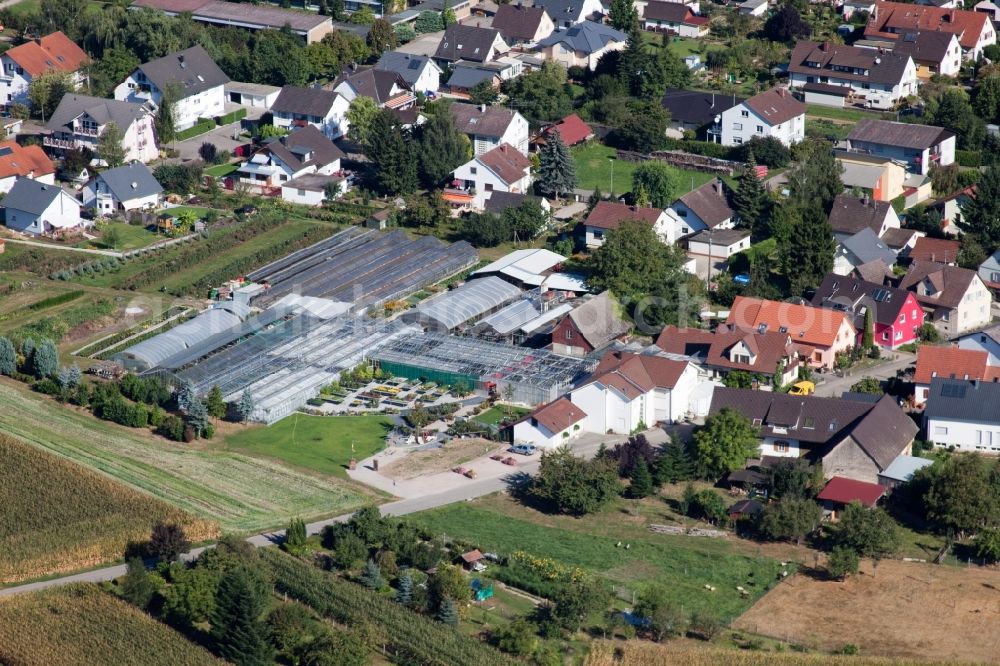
(832, 385)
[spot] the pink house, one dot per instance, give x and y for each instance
(896, 314)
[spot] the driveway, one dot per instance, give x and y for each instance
(833, 386)
(225, 137)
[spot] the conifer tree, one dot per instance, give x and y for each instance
(448, 612)
(246, 406)
(442, 147)
(808, 254)
(371, 575)
(404, 595)
(392, 153)
(197, 417)
(673, 464)
(295, 535)
(750, 199)
(556, 171)
(45, 359)
(868, 336)
(239, 634)
(185, 395)
(8, 357)
(642, 480)
(216, 405)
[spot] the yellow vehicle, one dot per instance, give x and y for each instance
(802, 388)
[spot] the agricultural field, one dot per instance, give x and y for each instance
(888, 611)
(85, 519)
(682, 564)
(39, 260)
(56, 321)
(324, 444)
(83, 625)
(241, 493)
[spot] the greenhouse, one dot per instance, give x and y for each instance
(501, 324)
(468, 302)
(535, 376)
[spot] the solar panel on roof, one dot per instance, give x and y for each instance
(953, 391)
(881, 295)
(5, 151)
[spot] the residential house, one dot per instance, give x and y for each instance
(582, 44)
(879, 80)
(893, 20)
(280, 160)
(901, 471)
(323, 109)
(963, 414)
(566, 13)
(918, 146)
(673, 18)
(706, 207)
(712, 249)
(881, 178)
(500, 201)
(198, 84)
(851, 438)
(388, 89)
(850, 214)
(522, 26)
(940, 250)
(934, 53)
(38, 208)
(466, 75)
(571, 129)
(951, 207)
(987, 340)
(956, 298)
(312, 189)
(773, 113)
(608, 215)
(896, 315)
(419, 72)
(901, 241)
(697, 112)
(862, 248)
(80, 121)
(820, 334)
(989, 271)
(125, 188)
(589, 327)
(849, 7)
(840, 491)
(949, 362)
(755, 8)
(551, 425)
(730, 349)
(22, 64)
(17, 162)
(989, 8)
(469, 42)
(503, 169)
(490, 126)
(877, 272)
(630, 391)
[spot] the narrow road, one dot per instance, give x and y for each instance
(50, 246)
(833, 386)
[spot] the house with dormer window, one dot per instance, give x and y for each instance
(955, 299)
(880, 80)
(729, 349)
(896, 314)
(22, 64)
(80, 121)
(469, 42)
(305, 151)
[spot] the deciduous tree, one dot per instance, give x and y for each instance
(869, 385)
(109, 146)
(623, 15)
(574, 485)
(790, 519)
(725, 442)
(786, 25)
(381, 37)
(841, 562)
(868, 532)
(137, 586)
(167, 541)
(981, 214)
(47, 89)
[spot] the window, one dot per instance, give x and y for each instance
(301, 192)
(760, 129)
(745, 114)
(902, 318)
(473, 170)
(741, 358)
(940, 430)
(737, 140)
(899, 335)
(738, 127)
(810, 423)
(885, 335)
(489, 187)
(569, 333)
(781, 447)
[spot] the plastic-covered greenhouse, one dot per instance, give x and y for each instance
(470, 301)
(535, 375)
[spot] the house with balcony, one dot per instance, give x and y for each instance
(196, 80)
(490, 126)
(896, 314)
(917, 146)
(17, 162)
(878, 80)
(674, 18)
(770, 356)
(281, 160)
(325, 110)
(388, 89)
(503, 169)
(80, 120)
(566, 13)
(24, 63)
(955, 300)
(125, 188)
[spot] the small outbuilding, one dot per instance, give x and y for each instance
(840, 491)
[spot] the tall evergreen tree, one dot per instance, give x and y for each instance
(237, 628)
(295, 535)
(442, 147)
(623, 15)
(868, 336)
(642, 480)
(216, 405)
(817, 176)
(246, 406)
(45, 359)
(371, 575)
(404, 595)
(8, 357)
(981, 214)
(556, 170)
(448, 612)
(750, 199)
(392, 153)
(185, 395)
(197, 417)
(807, 255)
(673, 464)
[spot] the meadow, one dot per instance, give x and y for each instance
(85, 519)
(241, 493)
(596, 543)
(324, 444)
(594, 171)
(81, 624)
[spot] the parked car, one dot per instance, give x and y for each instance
(802, 388)
(523, 449)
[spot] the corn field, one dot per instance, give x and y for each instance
(58, 516)
(81, 624)
(643, 653)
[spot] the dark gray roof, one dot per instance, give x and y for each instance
(586, 37)
(303, 147)
(305, 101)
(132, 181)
(466, 42)
(952, 282)
(849, 214)
(924, 46)
(962, 400)
(31, 196)
(834, 59)
(695, 107)
(563, 10)
(853, 296)
(722, 238)
(904, 135)
(885, 432)
(468, 75)
(103, 111)
(407, 65)
(501, 201)
(192, 70)
(492, 121)
(868, 247)
(515, 21)
(710, 202)
(375, 83)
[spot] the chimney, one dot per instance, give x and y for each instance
(718, 186)
(781, 92)
(825, 46)
(713, 101)
(482, 108)
(864, 199)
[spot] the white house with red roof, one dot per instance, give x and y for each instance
(632, 391)
(949, 363)
(503, 169)
(550, 425)
(773, 113)
(17, 161)
(674, 18)
(52, 53)
(609, 215)
(894, 20)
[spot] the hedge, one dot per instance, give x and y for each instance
(231, 117)
(201, 127)
(969, 158)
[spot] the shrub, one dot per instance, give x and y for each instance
(969, 158)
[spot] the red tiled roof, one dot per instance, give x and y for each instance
(776, 106)
(804, 324)
(51, 52)
(558, 415)
(506, 162)
(844, 491)
(950, 363)
(635, 374)
(572, 129)
(610, 215)
(892, 19)
(941, 250)
(21, 161)
(472, 556)
(768, 348)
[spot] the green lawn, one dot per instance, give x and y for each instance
(681, 564)
(684, 46)
(853, 115)
(594, 170)
(319, 443)
(130, 237)
(221, 170)
(25, 8)
(494, 415)
(200, 211)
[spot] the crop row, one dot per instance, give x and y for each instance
(56, 327)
